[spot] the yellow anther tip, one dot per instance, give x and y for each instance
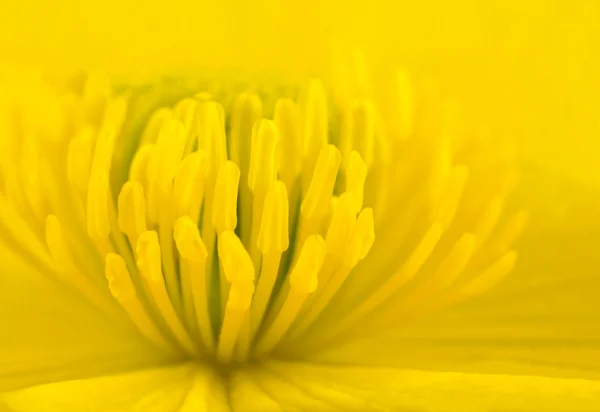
(303, 277)
(267, 131)
(149, 257)
(321, 186)
(356, 162)
(208, 115)
(188, 241)
(274, 232)
(240, 295)
(147, 241)
(170, 127)
(331, 153)
(56, 241)
(225, 198)
(132, 208)
(342, 223)
(236, 261)
(139, 166)
(356, 174)
(158, 118)
(262, 169)
(364, 128)
(118, 278)
(165, 159)
(362, 239)
(188, 185)
(183, 107)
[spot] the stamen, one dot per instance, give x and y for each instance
(185, 112)
(79, 159)
(359, 243)
(189, 185)
(236, 263)
(287, 121)
(105, 142)
(318, 197)
(341, 226)
(193, 274)
(239, 272)
(514, 228)
(163, 164)
(262, 170)
(240, 297)
(504, 240)
(448, 270)
(132, 211)
(182, 219)
(410, 268)
(303, 281)
(67, 267)
(356, 174)
(138, 172)
(491, 276)
(155, 125)
(225, 211)
(363, 130)
(488, 220)
(98, 223)
(315, 129)
(212, 141)
(225, 197)
(211, 135)
(123, 291)
(150, 266)
(245, 113)
(272, 242)
(261, 175)
(456, 261)
(441, 165)
(447, 204)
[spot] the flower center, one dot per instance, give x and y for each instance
(247, 227)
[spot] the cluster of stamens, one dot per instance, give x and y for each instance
(237, 234)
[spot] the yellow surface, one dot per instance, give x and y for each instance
(526, 70)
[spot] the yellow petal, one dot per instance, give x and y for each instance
(147, 390)
(49, 332)
(362, 388)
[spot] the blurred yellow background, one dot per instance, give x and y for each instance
(534, 65)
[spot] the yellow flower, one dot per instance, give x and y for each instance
(233, 240)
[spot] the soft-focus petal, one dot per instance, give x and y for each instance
(360, 389)
(183, 388)
(146, 390)
(543, 319)
(49, 333)
(302, 386)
